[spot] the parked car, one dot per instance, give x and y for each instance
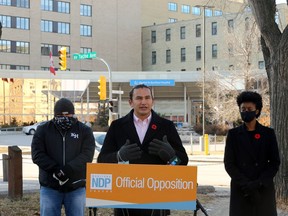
(99, 139)
(31, 129)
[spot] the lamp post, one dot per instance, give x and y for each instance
(204, 7)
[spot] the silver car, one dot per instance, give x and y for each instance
(31, 129)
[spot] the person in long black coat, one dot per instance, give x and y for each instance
(128, 140)
(252, 160)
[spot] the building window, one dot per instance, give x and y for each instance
(46, 26)
(86, 30)
(198, 52)
(153, 36)
(198, 69)
(5, 2)
(196, 10)
(47, 5)
(85, 50)
(5, 46)
(261, 65)
(231, 67)
(63, 28)
(154, 57)
(22, 23)
(85, 10)
(172, 6)
(185, 9)
(230, 49)
(230, 25)
(22, 47)
(214, 68)
(182, 32)
(208, 12)
(214, 51)
(45, 49)
(218, 13)
(214, 28)
(183, 54)
(276, 18)
(198, 30)
(23, 3)
(21, 67)
(4, 66)
(168, 34)
(172, 20)
(5, 20)
(168, 56)
(63, 7)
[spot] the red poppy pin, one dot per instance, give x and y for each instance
(257, 136)
(153, 126)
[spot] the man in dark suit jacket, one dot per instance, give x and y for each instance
(142, 137)
(252, 161)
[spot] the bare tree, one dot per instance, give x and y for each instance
(243, 53)
(275, 50)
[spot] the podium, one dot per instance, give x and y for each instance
(141, 186)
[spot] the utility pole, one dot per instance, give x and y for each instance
(204, 7)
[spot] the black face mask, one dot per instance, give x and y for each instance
(64, 122)
(248, 116)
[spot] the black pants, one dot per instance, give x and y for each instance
(141, 212)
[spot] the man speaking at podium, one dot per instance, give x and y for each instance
(142, 137)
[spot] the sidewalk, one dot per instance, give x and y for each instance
(210, 165)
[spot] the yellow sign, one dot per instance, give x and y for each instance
(141, 186)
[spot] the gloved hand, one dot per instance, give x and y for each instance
(60, 176)
(162, 149)
(129, 151)
(251, 187)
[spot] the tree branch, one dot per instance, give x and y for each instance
(264, 13)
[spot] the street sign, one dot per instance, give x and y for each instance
(80, 56)
(158, 82)
(117, 92)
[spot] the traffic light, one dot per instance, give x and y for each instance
(102, 88)
(62, 58)
(113, 106)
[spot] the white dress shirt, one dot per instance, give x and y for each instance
(141, 126)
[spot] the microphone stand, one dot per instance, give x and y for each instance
(199, 206)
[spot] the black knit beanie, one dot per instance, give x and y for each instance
(63, 106)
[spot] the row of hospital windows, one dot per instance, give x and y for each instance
(187, 9)
(214, 52)
(24, 48)
(46, 25)
(50, 5)
(214, 29)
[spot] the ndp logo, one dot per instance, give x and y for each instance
(101, 181)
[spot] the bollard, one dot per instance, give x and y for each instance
(206, 144)
(15, 178)
(5, 159)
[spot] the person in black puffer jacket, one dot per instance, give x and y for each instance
(61, 148)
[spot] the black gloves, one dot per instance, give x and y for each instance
(162, 149)
(62, 174)
(129, 151)
(251, 190)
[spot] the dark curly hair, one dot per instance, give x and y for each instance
(249, 96)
